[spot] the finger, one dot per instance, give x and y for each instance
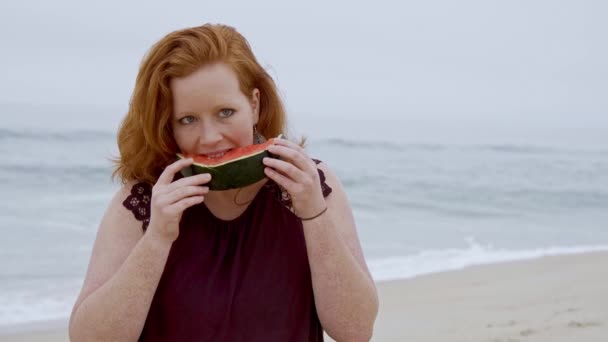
(285, 168)
(187, 203)
(199, 179)
(184, 192)
(302, 161)
(169, 172)
(280, 179)
(291, 144)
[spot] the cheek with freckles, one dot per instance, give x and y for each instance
(243, 135)
(185, 140)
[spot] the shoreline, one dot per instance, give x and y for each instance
(551, 298)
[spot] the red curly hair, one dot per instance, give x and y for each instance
(145, 138)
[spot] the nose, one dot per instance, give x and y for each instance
(210, 134)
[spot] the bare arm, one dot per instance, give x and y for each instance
(121, 280)
(126, 265)
(345, 294)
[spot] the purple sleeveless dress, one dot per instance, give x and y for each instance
(246, 279)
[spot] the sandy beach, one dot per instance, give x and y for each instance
(559, 298)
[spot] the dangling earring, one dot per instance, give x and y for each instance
(257, 137)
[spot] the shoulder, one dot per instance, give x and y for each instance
(120, 228)
(127, 212)
(333, 191)
(328, 179)
(324, 168)
(128, 208)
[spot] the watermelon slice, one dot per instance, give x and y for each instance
(237, 168)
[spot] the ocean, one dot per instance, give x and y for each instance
(420, 207)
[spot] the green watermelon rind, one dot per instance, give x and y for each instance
(234, 174)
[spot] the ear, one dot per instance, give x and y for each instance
(255, 104)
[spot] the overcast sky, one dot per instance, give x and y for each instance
(518, 63)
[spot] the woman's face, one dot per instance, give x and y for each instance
(210, 113)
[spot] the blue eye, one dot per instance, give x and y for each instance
(186, 120)
(224, 113)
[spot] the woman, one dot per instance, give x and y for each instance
(278, 260)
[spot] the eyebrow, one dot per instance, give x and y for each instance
(216, 108)
(186, 113)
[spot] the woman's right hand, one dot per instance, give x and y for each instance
(170, 199)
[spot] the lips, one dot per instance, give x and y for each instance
(216, 154)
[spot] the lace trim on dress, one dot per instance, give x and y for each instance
(138, 202)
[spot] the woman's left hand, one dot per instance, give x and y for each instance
(297, 173)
